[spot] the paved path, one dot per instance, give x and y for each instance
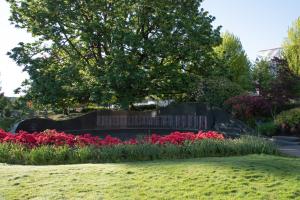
(288, 145)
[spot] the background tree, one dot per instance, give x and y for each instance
(112, 51)
(234, 63)
(291, 47)
(5, 106)
(279, 85)
(3, 102)
(263, 74)
(214, 91)
(286, 85)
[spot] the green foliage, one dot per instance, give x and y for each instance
(49, 155)
(7, 123)
(5, 106)
(289, 118)
(234, 63)
(25, 108)
(112, 51)
(13, 111)
(214, 91)
(269, 128)
(262, 74)
(291, 47)
(12, 153)
(276, 83)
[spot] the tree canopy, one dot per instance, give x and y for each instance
(291, 47)
(112, 51)
(214, 91)
(234, 63)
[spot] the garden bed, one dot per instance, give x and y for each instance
(52, 147)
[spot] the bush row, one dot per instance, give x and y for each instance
(53, 137)
(50, 154)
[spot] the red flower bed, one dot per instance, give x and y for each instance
(53, 137)
(179, 137)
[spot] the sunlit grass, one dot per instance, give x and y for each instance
(244, 177)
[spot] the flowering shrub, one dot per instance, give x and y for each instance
(53, 137)
(53, 147)
(180, 137)
(246, 107)
(171, 147)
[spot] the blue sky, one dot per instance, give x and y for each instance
(260, 24)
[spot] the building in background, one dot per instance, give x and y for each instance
(269, 54)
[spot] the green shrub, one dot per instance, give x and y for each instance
(7, 123)
(17, 154)
(268, 128)
(13, 153)
(289, 121)
(289, 117)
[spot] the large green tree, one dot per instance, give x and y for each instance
(112, 51)
(291, 47)
(234, 63)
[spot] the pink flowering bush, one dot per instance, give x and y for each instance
(180, 137)
(53, 147)
(53, 137)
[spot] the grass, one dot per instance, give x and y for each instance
(242, 177)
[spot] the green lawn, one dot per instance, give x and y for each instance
(245, 177)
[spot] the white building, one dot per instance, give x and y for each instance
(269, 54)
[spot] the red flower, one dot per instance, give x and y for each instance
(53, 137)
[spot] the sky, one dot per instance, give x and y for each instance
(260, 25)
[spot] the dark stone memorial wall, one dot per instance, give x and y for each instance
(89, 123)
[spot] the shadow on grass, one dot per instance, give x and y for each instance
(285, 167)
(276, 165)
